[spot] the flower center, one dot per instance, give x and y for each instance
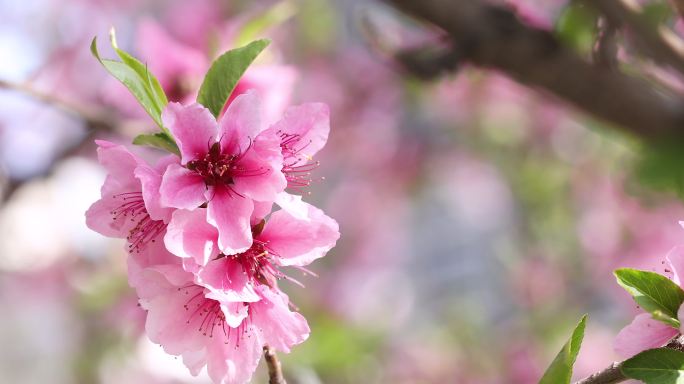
(297, 167)
(221, 169)
(144, 229)
(207, 316)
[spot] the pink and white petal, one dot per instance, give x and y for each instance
(234, 313)
(279, 327)
(261, 210)
(231, 213)
(120, 164)
(311, 124)
(195, 361)
(273, 83)
(189, 235)
(293, 204)
(150, 181)
(241, 123)
(643, 333)
(181, 188)
(227, 281)
(166, 57)
(299, 242)
(262, 182)
(234, 358)
(194, 128)
(675, 260)
(99, 218)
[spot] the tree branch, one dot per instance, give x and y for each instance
(679, 5)
(610, 375)
(275, 371)
(613, 374)
(491, 36)
(659, 43)
(97, 120)
(606, 49)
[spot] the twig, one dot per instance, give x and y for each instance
(610, 375)
(275, 370)
(613, 374)
(660, 43)
(96, 120)
(491, 36)
(605, 49)
(679, 5)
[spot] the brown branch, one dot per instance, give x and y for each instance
(606, 49)
(610, 375)
(491, 36)
(679, 5)
(275, 370)
(613, 374)
(97, 120)
(660, 43)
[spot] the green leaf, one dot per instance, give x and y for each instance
(272, 16)
(224, 74)
(153, 85)
(160, 140)
(135, 76)
(656, 366)
(654, 292)
(577, 26)
(560, 370)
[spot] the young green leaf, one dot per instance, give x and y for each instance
(135, 76)
(654, 292)
(159, 97)
(159, 140)
(271, 16)
(656, 366)
(560, 370)
(224, 74)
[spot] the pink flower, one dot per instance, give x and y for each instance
(226, 165)
(186, 319)
(130, 206)
(644, 332)
(282, 240)
(303, 131)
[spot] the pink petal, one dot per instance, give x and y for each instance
(194, 128)
(227, 281)
(279, 327)
(643, 333)
(293, 205)
(234, 312)
(120, 164)
(231, 213)
(264, 181)
(182, 188)
(311, 124)
(150, 181)
(261, 210)
(241, 123)
(233, 359)
(99, 218)
(167, 58)
(675, 260)
(273, 83)
(189, 235)
(299, 242)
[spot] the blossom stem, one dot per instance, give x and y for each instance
(610, 375)
(613, 374)
(275, 370)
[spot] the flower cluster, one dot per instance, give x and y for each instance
(206, 248)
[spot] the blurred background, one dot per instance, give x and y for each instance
(479, 219)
